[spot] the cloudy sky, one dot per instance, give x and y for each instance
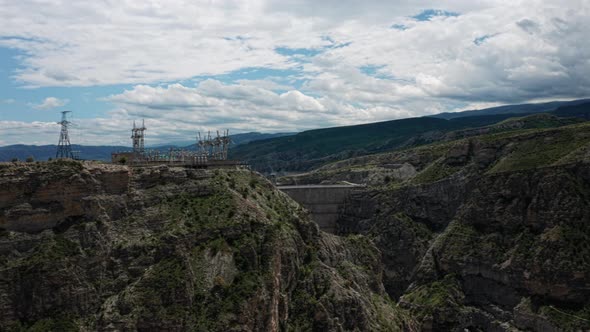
(276, 66)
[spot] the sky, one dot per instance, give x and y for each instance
(276, 66)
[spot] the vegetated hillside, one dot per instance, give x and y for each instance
(373, 169)
(244, 138)
(540, 137)
(514, 109)
(104, 247)
(577, 110)
(488, 232)
(311, 149)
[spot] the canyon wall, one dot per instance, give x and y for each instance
(109, 248)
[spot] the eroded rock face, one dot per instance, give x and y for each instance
(524, 227)
(176, 249)
(34, 197)
(468, 252)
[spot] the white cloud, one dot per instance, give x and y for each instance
(354, 67)
(212, 104)
(268, 84)
(20, 132)
(101, 131)
(50, 102)
(144, 42)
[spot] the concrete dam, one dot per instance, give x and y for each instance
(324, 202)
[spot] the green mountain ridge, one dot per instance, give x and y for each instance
(314, 148)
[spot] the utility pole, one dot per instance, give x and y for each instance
(64, 148)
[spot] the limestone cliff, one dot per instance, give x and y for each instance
(95, 247)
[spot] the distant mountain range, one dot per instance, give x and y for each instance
(103, 152)
(44, 152)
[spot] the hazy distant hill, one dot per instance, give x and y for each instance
(514, 109)
(238, 139)
(577, 110)
(313, 148)
(44, 152)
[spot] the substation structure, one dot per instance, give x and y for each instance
(210, 151)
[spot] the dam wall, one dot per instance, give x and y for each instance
(324, 202)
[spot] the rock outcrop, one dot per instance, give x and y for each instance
(108, 248)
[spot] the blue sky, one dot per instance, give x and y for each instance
(18, 101)
(276, 66)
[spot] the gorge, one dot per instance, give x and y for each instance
(486, 232)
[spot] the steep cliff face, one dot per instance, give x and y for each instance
(40, 196)
(518, 246)
(95, 247)
(510, 251)
(490, 233)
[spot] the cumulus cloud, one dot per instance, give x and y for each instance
(344, 62)
(50, 102)
(181, 111)
(20, 132)
(145, 42)
(239, 107)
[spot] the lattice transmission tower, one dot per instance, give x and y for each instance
(137, 135)
(64, 148)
